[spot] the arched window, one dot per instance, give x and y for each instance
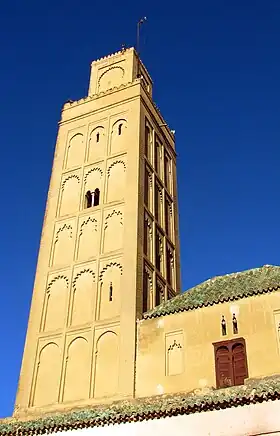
(96, 197)
(120, 129)
(88, 199)
(97, 136)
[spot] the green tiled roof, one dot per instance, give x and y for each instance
(222, 288)
(254, 391)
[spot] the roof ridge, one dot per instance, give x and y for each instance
(160, 406)
(220, 289)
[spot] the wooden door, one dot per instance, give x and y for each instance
(239, 364)
(223, 367)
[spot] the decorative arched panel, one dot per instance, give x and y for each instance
(97, 144)
(106, 365)
(116, 181)
(113, 231)
(110, 78)
(70, 195)
(88, 243)
(93, 180)
(110, 290)
(77, 371)
(63, 246)
(56, 303)
(46, 386)
(75, 151)
(175, 358)
(83, 297)
(118, 137)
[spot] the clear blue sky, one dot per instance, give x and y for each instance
(216, 69)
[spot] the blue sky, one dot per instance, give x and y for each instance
(216, 70)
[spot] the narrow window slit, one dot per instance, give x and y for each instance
(111, 292)
(120, 129)
(88, 199)
(96, 197)
(97, 137)
(234, 324)
(224, 326)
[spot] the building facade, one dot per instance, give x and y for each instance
(109, 247)
(111, 340)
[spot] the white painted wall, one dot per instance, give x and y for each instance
(258, 419)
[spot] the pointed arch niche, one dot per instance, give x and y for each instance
(93, 182)
(47, 376)
(110, 78)
(106, 365)
(113, 231)
(109, 290)
(88, 243)
(77, 371)
(116, 181)
(70, 195)
(83, 297)
(55, 304)
(118, 137)
(63, 246)
(75, 151)
(97, 143)
(174, 353)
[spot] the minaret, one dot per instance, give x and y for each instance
(109, 248)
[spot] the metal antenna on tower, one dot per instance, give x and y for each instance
(140, 22)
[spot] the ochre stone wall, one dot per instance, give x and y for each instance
(176, 353)
(80, 344)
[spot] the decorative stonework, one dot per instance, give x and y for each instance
(75, 151)
(88, 240)
(63, 246)
(110, 291)
(118, 137)
(110, 78)
(77, 370)
(113, 231)
(46, 376)
(70, 195)
(174, 353)
(83, 297)
(56, 298)
(106, 352)
(97, 143)
(116, 181)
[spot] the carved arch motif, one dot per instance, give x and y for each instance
(72, 176)
(114, 163)
(87, 221)
(113, 231)
(106, 352)
(63, 245)
(116, 80)
(70, 195)
(46, 377)
(75, 151)
(86, 270)
(91, 171)
(109, 265)
(55, 303)
(83, 297)
(61, 229)
(77, 370)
